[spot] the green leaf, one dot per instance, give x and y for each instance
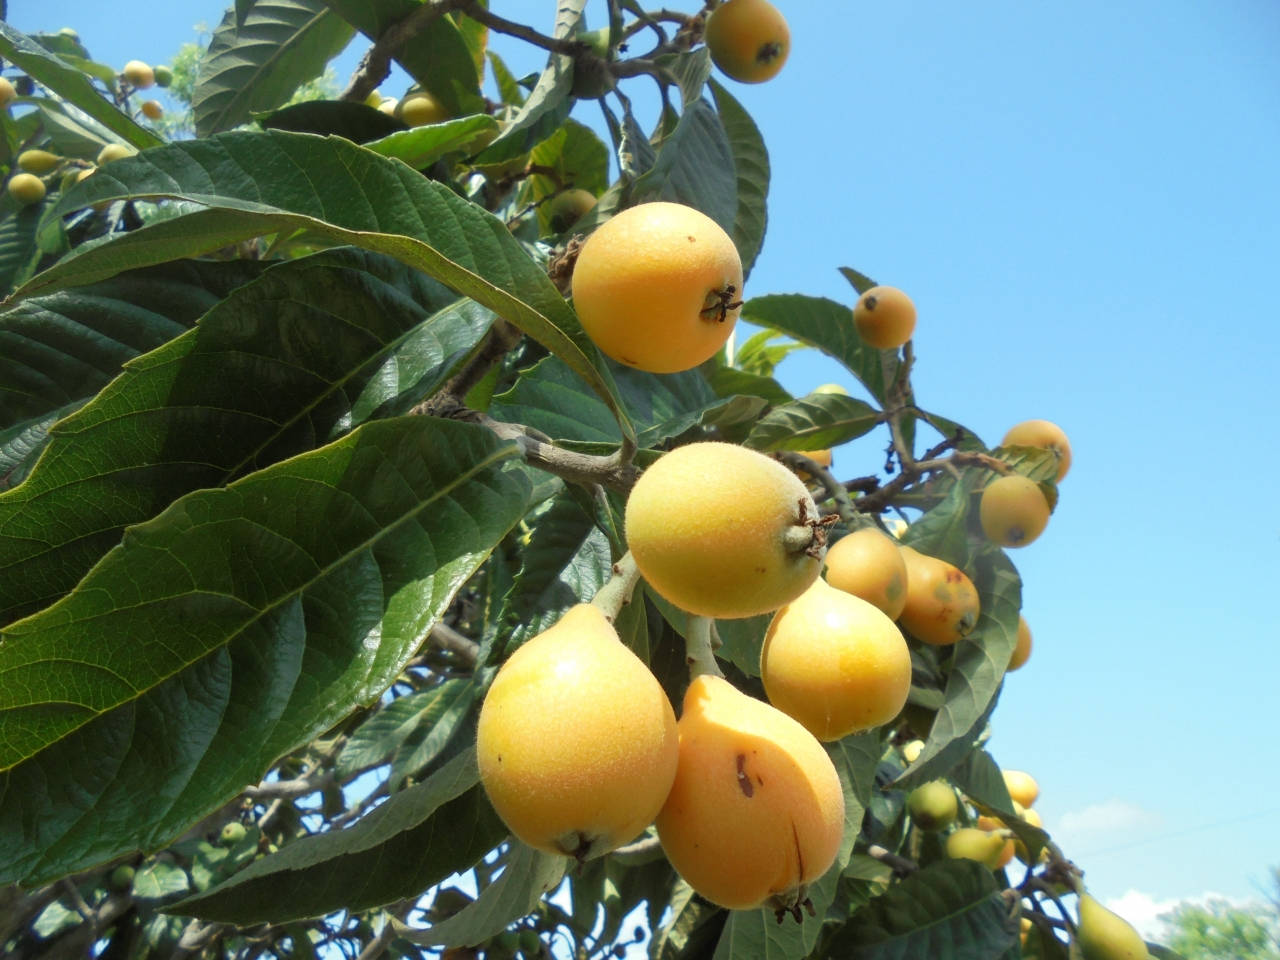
(258, 64)
(157, 880)
(65, 347)
(751, 167)
(72, 135)
(980, 779)
(526, 876)
(236, 625)
(339, 192)
(551, 398)
(504, 79)
(860, 282)
(694, 926)
(694, 166)
(758, 354)
(977, 669)
(273, 370)
(357, 122)
(728, 382)
(951, 910)
(71, 84)
(18, 251)
(417, 838)
(814, 422)
(438, 57)
(422, 146)
(574, 157)
(375, 740)
(22, 443)
(828, 326)
(943, 531)
(438, 724)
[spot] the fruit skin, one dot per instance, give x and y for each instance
(869, 565)
(942, 604)
(114, 151)
(163, 75)
(139, 74)
(1103, 935)
(831, 388)
(38, 161)
(232, 833)
(1044, 434)
(835, 663)
(7, 92)
(970, 843)
(1022, 650)
(152, 110)
(26, 188)
(1013, 511)
(885, 317)
(658, 287)
(756, 812)
(749, 39)
(419, 108)
(708, 524)
(933, 806)
(576, 740)
(388, 106)
(567, 208)
(1022, 787)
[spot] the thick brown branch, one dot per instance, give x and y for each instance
(494, 22)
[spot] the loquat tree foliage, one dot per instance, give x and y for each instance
(302, 442)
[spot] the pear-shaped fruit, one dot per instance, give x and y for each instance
(933, 806)
(38, 161)
(869, 565)
(970, 843)
(835, 663)
(1022, 787)
(576, 741)
(756, 812)
(114, 151)
(723, 531)
(942, 604)
(1102, 935)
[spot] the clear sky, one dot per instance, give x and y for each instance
(1083, 202)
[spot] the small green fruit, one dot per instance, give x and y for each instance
(1102, 935)
(232, 834)
(121, 877)
(567, 208)
(933, 806)
(26, 188)
(164, 76)
(419, 108)
(38, 161)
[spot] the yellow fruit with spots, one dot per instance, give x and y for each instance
(1044, 434)
(658, 287)
(1103, 935)
(970, 843)
(26, 188)
(869, 565)
(139, 74)
(1022, 787)
(885, 317)
(723, 531)
(749, 39)
(576, 741)
(756, 812)
(835, 663)
(942, 604)
(1022, 649)
(419, 108)
(1013, 511)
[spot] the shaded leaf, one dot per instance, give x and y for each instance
(694, 166)
(236, 625)
(256, 64)
(18, 251)
(357, 122)
(157, 880)
(814, 422)
(22, 444)
(417, 838)
(375, 740)
(436, 729)
(751, 168)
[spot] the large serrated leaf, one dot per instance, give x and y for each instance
(827, 325)
(18, 251)
(751, 166)
(22, 443)
(423, 146)
(275, 369)
(236, 625)
(413, 841)
(976, 671)
(814, 422)
(387, 730)
(694, 166)
(260, 183)
(951, 910)
(527, 875)
(67, 346)
(256, 63)
(71, 84)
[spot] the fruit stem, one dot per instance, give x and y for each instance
(616, 593)
(699, 648)
(799, 538)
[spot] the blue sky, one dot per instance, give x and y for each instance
(1082, 201)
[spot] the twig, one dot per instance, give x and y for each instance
(447, 638)
(699, 646)
(642, 848)
(616, 593)
(835, 489)
(375, 66)
(309, 783)
(901, 866)
(494, 22)
(608, 471)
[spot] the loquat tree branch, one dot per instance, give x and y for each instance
(375, 66)
(499, 24)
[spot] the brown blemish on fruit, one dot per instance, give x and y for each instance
(744, 781)
(769, 52)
